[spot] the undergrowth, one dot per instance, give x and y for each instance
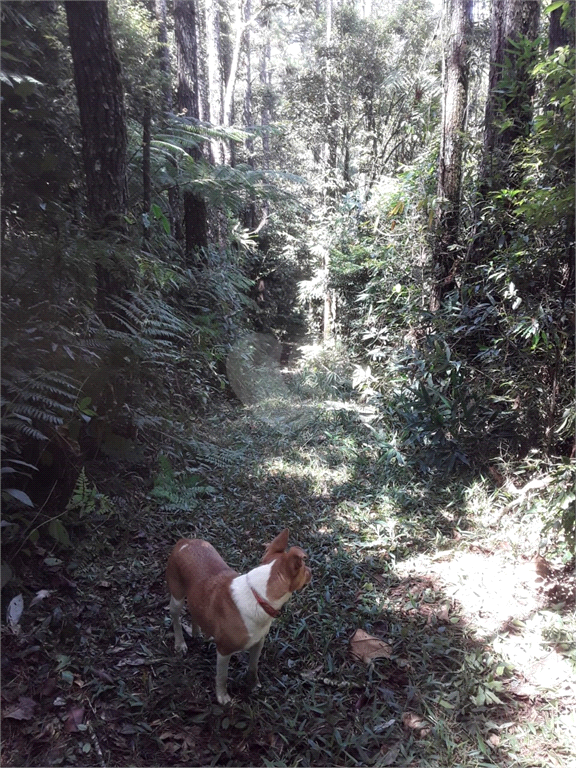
(441, 694)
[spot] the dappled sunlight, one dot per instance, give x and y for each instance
(317, 476)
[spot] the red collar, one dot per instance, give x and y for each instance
(265, 606)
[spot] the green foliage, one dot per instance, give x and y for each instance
(86, 501)
(178, 491)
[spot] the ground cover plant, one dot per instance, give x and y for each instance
(405, 649)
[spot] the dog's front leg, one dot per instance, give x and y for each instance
(222, 678)
(255, 652)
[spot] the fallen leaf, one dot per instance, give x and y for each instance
(414, 722)
(103, 675)
(312, 674)
(49, 687)
(41, 595)
(389, 756)
(24, 710)
(132, 662)
(367, 648)
(14, 612)
(74, 719)
(381, 727)
(443, 613)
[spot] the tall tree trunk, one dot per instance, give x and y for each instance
(164, 55)
(146, 157)
(265, 82)
(104, 140)
(165, 66)
(250, 213)
(458, 21)
(101, 105)
(511, 20)
(561, 33)
(215, 115)
(195, 213)
(239, 28)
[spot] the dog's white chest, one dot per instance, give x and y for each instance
(257, 623)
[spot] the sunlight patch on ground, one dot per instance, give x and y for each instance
(497, 596)
(491, 588)
(320, 477)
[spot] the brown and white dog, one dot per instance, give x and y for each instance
(235, 610)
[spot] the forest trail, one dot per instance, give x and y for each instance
(467, 659)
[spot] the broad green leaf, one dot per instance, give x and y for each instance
(59, 532)
(553, 6)
(20, 495)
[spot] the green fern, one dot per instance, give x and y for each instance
(86, 500)
(178, 491)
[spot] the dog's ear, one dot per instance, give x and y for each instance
(294, 561)
(277, 546)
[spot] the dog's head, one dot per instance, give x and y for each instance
(288, 572)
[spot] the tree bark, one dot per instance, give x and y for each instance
(250, 212)
(239, 29)
(146, 157)
(104, 140)
(164, 55)
(195, 213)
(215, 115)
(101, 105)
(511, 20)
(264, 74)
(458, 20)
(560, 34)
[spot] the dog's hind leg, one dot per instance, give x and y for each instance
(175, 611)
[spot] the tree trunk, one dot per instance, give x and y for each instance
(266, 113)
(511, 21)
(186, 57)
(146, 156)
(560, 34)
(101, 105)
(104, 140)
(458, 20)
(195, 213)
(215, 115)
(250, 213)
(239, 29)
(164, 55)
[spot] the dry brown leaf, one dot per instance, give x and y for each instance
(389, 755)
(414, 722)
(74, 719)
(24, 710)
(49, 687)
(367, 648)
(103, 675)
(443, 614)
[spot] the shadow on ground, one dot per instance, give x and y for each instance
(94, 662)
